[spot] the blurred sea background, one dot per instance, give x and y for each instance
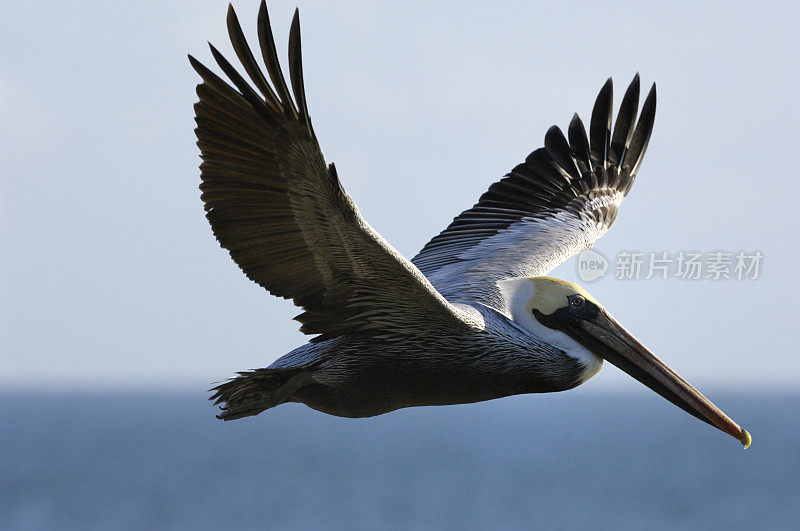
(567, 460)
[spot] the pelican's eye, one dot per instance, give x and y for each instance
(577, 301)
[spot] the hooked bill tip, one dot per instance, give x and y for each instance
(746, 438)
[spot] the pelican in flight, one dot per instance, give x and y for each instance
(472, 317)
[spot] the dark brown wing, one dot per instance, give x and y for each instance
(279, 209)
(555, 204)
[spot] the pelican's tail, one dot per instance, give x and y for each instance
(252, 392)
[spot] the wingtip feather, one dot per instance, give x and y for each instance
(624, 125)
(270, 57)
(600, 124)
(296, 71)
(579, 143)
(642, 133)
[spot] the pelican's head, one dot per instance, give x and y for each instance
(564, 315)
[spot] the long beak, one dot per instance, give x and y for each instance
(627, 353)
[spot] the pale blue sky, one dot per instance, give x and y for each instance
(110, 274)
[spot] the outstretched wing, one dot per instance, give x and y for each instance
(554, 205)
(276, 205)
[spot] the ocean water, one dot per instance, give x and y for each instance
(566, 460)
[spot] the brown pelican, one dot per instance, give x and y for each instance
(472, 317)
